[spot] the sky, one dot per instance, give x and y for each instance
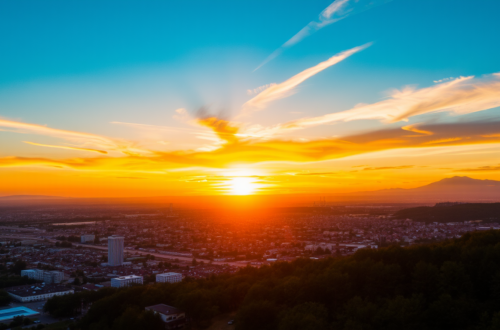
(162, 98)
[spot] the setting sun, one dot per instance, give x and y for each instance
(242, 186)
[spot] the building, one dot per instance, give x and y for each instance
(115, 250)
(53, 276)
(30, 292)
(174, 318)
(38, 274)
(49, 277)
(122, 281)
(87, 238)
(30, 273)
(168, 278)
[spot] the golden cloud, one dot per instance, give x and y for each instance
(251, 152)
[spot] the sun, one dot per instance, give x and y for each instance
(242, 186)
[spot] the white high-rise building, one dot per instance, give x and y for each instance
(115, 250)
(119, 282)
(168, 278)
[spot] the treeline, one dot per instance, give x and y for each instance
(453, 213)
(451, 285)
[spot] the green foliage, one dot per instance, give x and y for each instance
(8, 281)
(5, 299)
(451, 285)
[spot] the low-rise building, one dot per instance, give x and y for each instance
(123, 281)
(173, 317)
(53, 277)
(26, 293)
(49, 277)
(168, 278)
(87, 238)
(30, 273)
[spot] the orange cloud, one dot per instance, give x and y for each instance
(85, 138)
(65, 147)
(415, 129)
(251, 152)
(221, 127)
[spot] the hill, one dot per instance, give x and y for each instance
(452, 213)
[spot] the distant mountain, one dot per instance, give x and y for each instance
(457, 188)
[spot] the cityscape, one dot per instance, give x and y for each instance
(250, 165)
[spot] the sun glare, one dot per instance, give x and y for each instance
(242, 186)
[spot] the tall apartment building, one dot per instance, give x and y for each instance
(122, 281)
(168, 278)
(115, 250)
(87, 238)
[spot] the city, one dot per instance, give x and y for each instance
(250, 165)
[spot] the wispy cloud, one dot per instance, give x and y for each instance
(287, 88)
(461, 96)
(402, 167)
(66, 147)
(480, 169)
(259, 89)
(253, 152)
(86, 139)
(221, 127)
(414, 128)
(336, 11)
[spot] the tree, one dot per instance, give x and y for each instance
(18, 266)
(260, 315)
(308, 316)
(5, 299)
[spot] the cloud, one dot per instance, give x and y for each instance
(258, 151)
(460, 96)
(336, 11)
(388, 168)
(317, 173)
(259, 89)
(65, 147)
(221, 127)
(286, 88)
(480, 169)
(415, 129)
(86, 139)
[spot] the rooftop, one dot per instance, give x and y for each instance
(127, 277)
(164, 309)
(36, 289)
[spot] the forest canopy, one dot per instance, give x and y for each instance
(454, 284)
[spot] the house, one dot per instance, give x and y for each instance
(174, 318)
